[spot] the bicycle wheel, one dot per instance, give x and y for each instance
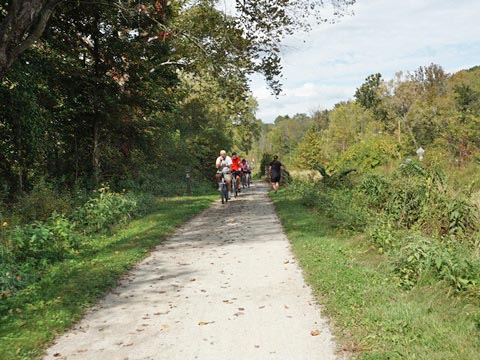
(224, 193)
(234, 186)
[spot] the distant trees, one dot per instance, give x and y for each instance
(389, 121)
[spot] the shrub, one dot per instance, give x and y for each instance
(40, 203)
(37, 243)
(447, 261)
(338, 205)
(101, 213)
(14, 276)
(377, 188)
(385, 237)
(417, 197)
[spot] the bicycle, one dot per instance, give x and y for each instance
(244, 180)
(223, 190)
(234, 185)
(249, 179)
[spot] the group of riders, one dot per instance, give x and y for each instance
(232, 167)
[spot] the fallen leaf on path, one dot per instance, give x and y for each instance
(241, 309)
(286, 261)
(315, 332)
(161, 313)
(165, 326)
(286, 307)
(193, 279)
(203, 323)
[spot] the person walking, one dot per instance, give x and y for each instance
(275, 169)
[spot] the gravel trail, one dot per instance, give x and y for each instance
(225, 286)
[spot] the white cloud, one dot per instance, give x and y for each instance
(385, 36)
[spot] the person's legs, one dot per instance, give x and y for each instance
(228, 180)
(218, 177)
(275, 182)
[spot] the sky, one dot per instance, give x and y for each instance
(328, 64)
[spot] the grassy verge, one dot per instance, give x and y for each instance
(48, 307)
(373, 318)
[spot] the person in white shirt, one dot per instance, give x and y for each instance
(224, 167)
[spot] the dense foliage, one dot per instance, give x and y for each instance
(386, 123)
(424, 214)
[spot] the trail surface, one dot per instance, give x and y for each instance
(224, 286)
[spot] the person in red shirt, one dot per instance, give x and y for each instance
(236, 169)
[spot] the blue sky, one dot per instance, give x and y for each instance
(326, 65)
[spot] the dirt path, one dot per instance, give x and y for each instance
(222, 287)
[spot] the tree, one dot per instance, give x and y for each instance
(22, 22)
(371, 94)
(262, 24)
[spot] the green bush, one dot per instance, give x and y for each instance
(43, 242)
(385, 237)
(448, 261)
(418, 197)
(336, 204)
(41, 202)
(25, 250)
(102, 212)
(14, 275)
(377, 188)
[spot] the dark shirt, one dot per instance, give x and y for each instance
(275, 167)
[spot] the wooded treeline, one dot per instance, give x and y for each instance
(117, 92)
(129, 91)
(386, 122)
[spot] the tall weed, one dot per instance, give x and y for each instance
(418, 197)
(447, 261)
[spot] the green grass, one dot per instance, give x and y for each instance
(44, 310)
(372, 317)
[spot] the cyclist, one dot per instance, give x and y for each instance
(236, 170)
(224, 165)
(246, 171)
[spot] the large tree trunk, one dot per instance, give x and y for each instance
(22, 25)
